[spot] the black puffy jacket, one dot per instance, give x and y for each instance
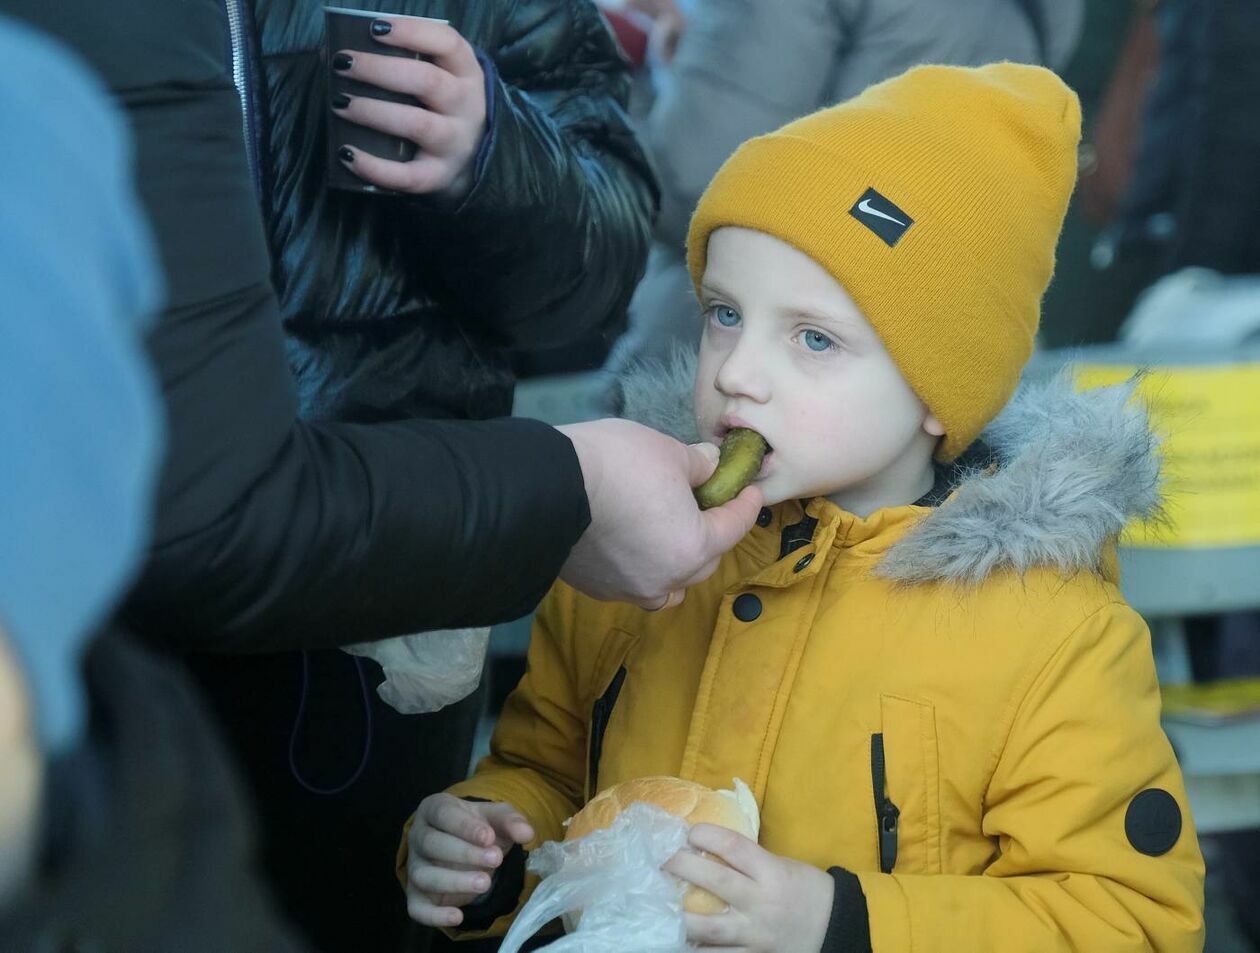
(398, 306)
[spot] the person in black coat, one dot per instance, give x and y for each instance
(275, 533)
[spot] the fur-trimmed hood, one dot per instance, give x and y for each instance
(1069, 470)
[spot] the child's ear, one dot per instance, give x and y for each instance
(933, 426)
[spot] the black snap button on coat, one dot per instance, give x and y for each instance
(747, 607)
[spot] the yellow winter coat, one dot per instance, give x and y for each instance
(969, 675)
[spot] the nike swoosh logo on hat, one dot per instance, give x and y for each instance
(865, 206)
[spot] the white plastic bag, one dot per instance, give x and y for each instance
(429, 670)
(613, 877)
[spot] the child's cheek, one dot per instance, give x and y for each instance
(707, 410)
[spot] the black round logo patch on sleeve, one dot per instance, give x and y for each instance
(1153, 822)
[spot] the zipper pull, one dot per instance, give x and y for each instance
(886, 812)
(888, 815)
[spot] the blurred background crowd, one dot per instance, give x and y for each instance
(187, 760)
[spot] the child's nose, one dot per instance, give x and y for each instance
(743, 373)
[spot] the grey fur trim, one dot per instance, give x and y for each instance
(1073, 469)
(659, 394)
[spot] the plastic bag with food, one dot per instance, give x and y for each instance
(605, 879)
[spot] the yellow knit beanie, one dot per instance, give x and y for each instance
(936, 200)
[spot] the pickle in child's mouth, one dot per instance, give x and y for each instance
(739, 462)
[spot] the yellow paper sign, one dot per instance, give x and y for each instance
(1208, 417)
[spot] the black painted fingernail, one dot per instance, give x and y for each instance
(346, 153)
(342, 61)
(381, 27)
(340, 101)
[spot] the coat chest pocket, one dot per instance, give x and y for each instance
(609, 679)
(905, 785)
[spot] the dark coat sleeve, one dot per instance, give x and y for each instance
(354, 532)
(553, 237)
(269, 532)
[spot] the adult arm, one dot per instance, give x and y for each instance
(271, 533)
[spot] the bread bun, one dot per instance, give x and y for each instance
(694, 803)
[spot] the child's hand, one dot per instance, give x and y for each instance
(776, 904)
(453, 849)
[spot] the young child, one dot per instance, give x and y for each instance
(923, 667)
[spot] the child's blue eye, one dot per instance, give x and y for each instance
(817, 341)
(727, 317)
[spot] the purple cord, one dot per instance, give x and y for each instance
(297, 724)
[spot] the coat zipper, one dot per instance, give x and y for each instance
(242, 70)
(601, 713)
(886, 812)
